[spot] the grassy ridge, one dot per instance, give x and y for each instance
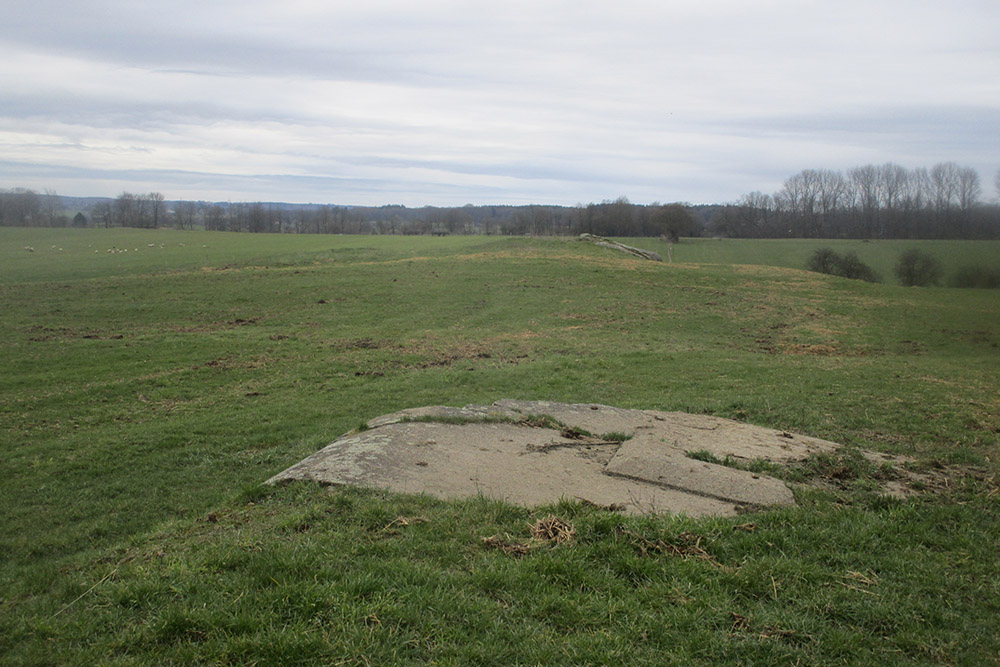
(144, 390)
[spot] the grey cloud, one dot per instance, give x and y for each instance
(258, 187)
(933, 133)
(556, 101)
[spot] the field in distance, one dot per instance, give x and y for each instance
(147, 393)
(794, 253)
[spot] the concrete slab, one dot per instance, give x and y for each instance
(495, 451)
(725, 437)
(519, 464)
(645, 458)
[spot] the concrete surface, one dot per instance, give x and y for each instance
(498, 452)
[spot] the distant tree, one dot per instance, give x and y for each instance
(892, 181)
(872, 201)
(185, 213)
(797, 198)
(127, 210)
(672, 221)
(155, 207)
(831, 191)
(258, 218)
(865, 182)
(944, 185)
(52, 209)
(969, 189)
(457, 221)
(20, 206)
(851, 266)
(983, 277)
(215, 218)
(826, 260)
(918, 269)
(823, 260)
(79, 220)
(103, 213)
(620, 217)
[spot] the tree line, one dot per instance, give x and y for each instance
(22, 207)
(609, 218)
(873, 201)
(617, 218)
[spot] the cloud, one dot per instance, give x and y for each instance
(455, 102)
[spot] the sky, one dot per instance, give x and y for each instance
(438, 102)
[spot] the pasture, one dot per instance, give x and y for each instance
(146, 394)
(793, 253)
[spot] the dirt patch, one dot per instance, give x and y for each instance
(218, 325)
(817, 349)
(974, 336)
(509, 547)
(345, 344)
(230, 362)
(40, 334)
(426, 354)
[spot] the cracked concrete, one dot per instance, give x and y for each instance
(498, 452)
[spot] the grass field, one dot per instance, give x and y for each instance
(793, 253)
(146, 394)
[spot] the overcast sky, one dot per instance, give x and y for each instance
(445, 102)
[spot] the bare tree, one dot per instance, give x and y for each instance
(806, 195)
(918, 189)
(19, 206)
(892, 180)
(185, 214)
(944, 185)
(127, 210)
(968, 188)
(215, 218)
(52, 209)
(751, 216)
(831, 192)
(620, 216)
(103, 213)
(864, 181)
(155, 206)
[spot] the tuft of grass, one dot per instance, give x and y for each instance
(708, 457)
(842, 467)
(847, 469)
(754, 465)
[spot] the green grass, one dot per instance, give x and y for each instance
(793, 253)
(146, 395)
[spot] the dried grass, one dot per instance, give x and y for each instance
(553, 529)
(508, 547)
